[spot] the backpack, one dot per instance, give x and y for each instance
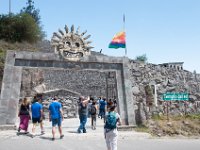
(111, 121)
(93, 110)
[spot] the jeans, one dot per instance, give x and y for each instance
(93, 121)
(102, 112)
(83, 120)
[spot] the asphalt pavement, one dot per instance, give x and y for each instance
(92, 140)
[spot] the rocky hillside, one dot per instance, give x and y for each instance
(145, 76)
(176, 126)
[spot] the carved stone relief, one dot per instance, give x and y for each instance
(70, 44)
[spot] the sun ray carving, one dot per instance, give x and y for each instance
(70, 44)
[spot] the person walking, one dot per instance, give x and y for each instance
(56, 116)
(83, 113)
(102, 108)
(110, 128)
(24, 114)
(37, 115)
(93, 112)
(109, 104)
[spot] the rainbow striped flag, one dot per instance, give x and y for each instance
(118, 41)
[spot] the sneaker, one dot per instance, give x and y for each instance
(42, 132)
(84, 131)
(78, 131)
(61, 136)
(19, 129)
(53, 139)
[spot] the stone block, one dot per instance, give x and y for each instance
(15, 90)
(17, 74)
(51, 56)
(24, 55)
(37, 56)
(91, 59)
(4, 103)
(44, 56)
(28, 55)
(13, 104)
(10, 58)
(8, 72)
(106, 59)
(12, 111)
(100, 59)
(3, 115)
(6, 90)
(3, 119)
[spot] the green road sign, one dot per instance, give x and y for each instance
(176, 96)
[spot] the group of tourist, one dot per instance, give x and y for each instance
(37, 115)
(87, 107)
(106, 110)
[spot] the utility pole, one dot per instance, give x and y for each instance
(9, 7)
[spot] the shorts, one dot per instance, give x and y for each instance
(56, 121)
(36, 120)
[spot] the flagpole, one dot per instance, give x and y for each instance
(124, 32)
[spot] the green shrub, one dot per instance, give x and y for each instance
(18, 28)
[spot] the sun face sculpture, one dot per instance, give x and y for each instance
(71, 45)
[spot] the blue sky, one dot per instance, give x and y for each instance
(164, 30)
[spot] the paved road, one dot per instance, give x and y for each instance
(93, 140)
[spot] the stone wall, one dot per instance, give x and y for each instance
(145, 76)
(87, 82)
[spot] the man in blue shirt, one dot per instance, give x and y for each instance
(37, 113)
(102, 107)
(56, 116)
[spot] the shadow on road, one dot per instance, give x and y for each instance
(24, 134)
(72, 132)
(46, 138)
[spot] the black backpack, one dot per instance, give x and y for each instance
(93, 110)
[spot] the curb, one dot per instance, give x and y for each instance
(7, 127)
(126, 128)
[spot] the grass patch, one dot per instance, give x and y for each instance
(193, 116)
(187, 125)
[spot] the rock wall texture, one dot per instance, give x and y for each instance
(144, 77)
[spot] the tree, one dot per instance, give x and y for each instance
(26, 29)
(30, 9)
(19, 28)
(142, 58)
